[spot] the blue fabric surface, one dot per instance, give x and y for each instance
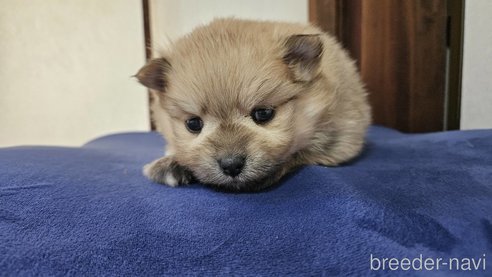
(89, 211)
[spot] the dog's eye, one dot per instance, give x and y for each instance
(262, 115)
(194, 124)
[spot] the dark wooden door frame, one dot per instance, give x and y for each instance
(148, 50)
(456, 20)
(341, 18)
(412, 111)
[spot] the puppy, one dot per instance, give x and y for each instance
(241, 103)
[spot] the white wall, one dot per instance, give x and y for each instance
(476, 105)
(172, 18)
(65, 70)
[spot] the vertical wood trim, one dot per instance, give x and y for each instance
(326, 15)
(350, 27)
(456, 10)
(148, 50)
(341, 18)
(147, 30)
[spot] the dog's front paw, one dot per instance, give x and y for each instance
(167, 171)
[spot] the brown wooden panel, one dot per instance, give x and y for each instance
(341, 18)
(351, 27)
(403, 62)
(400, 47)
(326, 14)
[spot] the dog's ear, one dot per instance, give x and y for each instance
(154, 74)
(303, 55)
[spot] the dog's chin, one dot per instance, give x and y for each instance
(248, 181)
(239, 184)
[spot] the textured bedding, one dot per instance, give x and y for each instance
(89, 211)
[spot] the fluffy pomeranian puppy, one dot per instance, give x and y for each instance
(241, 103)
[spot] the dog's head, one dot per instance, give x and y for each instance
(231, 91)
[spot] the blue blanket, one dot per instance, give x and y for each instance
(89, 211)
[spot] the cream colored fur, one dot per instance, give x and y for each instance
(221, 71)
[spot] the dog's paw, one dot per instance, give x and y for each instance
(167, 171)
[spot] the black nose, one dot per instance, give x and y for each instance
(232, 165)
